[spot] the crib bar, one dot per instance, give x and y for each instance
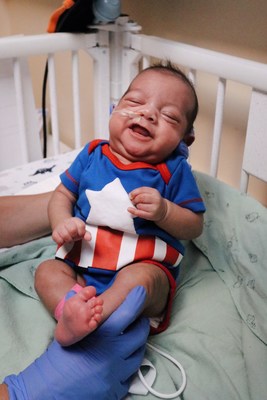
(254, 161)
(244, 181)
(192, 75)
(238, 69)
(130, 66)
(145, 62)
(101, 91)
(21, 112)
(115, 46)
(53, 102)
(218, 123)
(23, 46)
(76, 98)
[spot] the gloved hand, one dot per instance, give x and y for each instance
(98, 367)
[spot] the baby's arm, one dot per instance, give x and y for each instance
(65, 227)
(179, 222)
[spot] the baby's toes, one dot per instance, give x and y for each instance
(87, 293)
(98, 310)
(98, 317)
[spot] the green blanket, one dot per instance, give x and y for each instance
(218, 328)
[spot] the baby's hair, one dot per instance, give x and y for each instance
(168, 67)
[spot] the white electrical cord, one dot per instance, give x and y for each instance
(178, 365)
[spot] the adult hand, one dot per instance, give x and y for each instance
(99, 367)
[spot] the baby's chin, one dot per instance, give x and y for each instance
(135, 152)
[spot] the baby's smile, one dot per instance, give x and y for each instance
(140, 130)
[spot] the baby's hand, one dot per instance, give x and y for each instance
(149, 204)
(72, 229)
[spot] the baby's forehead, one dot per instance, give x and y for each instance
(149, 75)
(152, 74)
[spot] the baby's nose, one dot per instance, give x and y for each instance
(149, 113)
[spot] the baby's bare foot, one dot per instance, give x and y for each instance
(81, 315)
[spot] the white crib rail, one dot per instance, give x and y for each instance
(18, 82)
(226, 66)
(117, 50)
(20, 48)
(255, 153)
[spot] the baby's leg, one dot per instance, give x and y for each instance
(83, 313)
(154, 280)
(78, 315)
(53, 279)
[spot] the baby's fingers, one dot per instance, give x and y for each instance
(57, 238)
(87, 236)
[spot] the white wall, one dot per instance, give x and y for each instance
(238, 27)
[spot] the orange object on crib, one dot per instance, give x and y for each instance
(72, 16)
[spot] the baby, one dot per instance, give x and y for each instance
(122, 208)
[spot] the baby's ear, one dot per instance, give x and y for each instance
(189, 137)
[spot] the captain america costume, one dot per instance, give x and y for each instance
(102, 185)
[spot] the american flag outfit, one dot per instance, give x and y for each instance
(102, 184)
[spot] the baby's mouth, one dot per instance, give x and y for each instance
(140, 130)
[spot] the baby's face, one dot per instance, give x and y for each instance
(151, 118)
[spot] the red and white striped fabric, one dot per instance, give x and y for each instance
(111, 250)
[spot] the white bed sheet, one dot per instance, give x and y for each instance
(24, 179)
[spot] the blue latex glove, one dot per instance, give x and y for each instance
(99, 367)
